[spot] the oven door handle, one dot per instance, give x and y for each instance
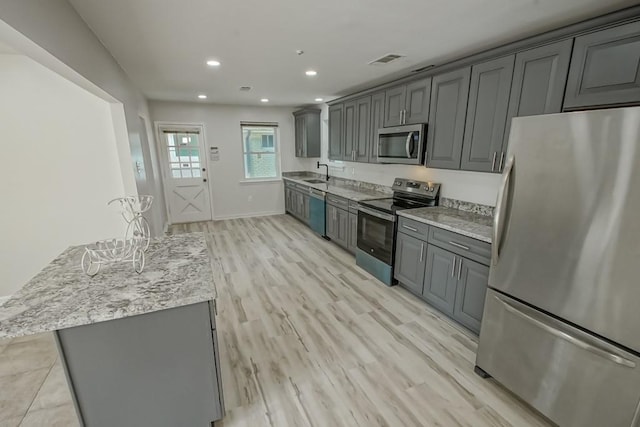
(408, 144)
(377, 214)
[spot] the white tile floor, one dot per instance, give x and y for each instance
(33, 390)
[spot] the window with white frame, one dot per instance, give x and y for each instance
(260, 151)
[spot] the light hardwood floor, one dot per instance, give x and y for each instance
(309, 339)
(306, 339)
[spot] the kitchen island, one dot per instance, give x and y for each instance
(138, 349)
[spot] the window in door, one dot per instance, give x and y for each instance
(183, 149)
(260, 151)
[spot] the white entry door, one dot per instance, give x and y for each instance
(185, 173)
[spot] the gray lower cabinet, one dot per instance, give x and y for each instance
(336, 146)
(409, 267)
(445, 278)
(449, 95)
(155, 369)
(376, 122)
(470, 293)
(337, 225)
(539, 80)
(440, 279)
(605, 68)
(307, 133)
(287, 199)
(352, 244)
(297, 203)
(487, 114)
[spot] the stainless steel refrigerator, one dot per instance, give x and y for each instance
(561, 324)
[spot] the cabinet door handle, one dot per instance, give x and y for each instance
(501, 162)
(421, 252)
(453, 268)
(493, 162)
(458, 245)
(459, 268)
(415, 230)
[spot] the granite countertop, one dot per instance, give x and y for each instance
(177, 272)
(350, 192)
(468, 224)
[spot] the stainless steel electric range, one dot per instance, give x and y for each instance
(377, 225)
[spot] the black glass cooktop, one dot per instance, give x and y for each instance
(392, 205)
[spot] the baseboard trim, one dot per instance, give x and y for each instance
(248, 215)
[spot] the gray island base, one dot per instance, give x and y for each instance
(137, 350)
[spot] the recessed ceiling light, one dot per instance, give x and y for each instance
(319, 99)
(202, 96)
(264, 100)
(213, 63)
(311, 73)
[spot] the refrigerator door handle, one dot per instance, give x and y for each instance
(595, 349)
(498, 219)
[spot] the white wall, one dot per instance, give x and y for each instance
(469, 186)
(230, 197)
(52, 33)
(60, 167)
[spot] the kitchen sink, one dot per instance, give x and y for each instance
(315, 181)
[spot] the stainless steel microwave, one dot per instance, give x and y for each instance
(402, 144)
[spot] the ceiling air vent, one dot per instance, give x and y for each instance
(245, 88)
(386, 59)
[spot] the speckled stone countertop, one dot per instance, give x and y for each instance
(177, 272)
(466, 223)
(351, 192)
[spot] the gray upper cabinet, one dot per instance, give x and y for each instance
(539, 80)
(470, 293)
(299, 135)
(307, 133)
(409, 266)
(362, 140)
(356, 130)
(336, 113)
(376, 122)
(605, 68)
(440, 279)
(407, 104)
(395, 99)
(487, 114)
(418, 95)
(449, 95)
(350, 128)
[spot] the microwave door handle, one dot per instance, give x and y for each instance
(408, 144)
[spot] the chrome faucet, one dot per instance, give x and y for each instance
(318, 164)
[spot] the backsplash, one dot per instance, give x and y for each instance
(462, 205)
(467, 206)
(340, 181)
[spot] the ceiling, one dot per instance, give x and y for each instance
(163, 44)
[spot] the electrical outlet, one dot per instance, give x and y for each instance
(353, 171)
(250, 198)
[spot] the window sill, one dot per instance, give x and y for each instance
(260, 181)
